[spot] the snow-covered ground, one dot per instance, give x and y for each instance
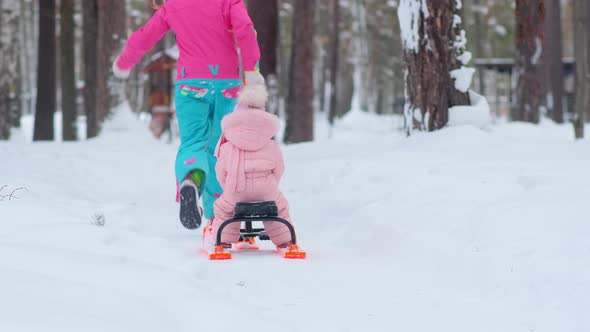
(462, 230)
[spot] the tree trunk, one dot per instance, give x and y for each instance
(117, 32)
(334, 61)
(432, 40)
(68, 71)
(9, 69)
(30, 40)
(360, 54)
(300, 100)
(90, 32)
(103, 63)
(582, 55)
(553, 60)
(46, 82)
(265, 15)
(479, 40)
(530, 88)
(26, 84)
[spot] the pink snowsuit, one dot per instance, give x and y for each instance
(249, 168)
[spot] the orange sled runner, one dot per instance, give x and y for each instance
(249, 213)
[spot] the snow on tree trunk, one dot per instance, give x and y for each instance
(9, 59)
(265, 15)
(434, 51)
(530, 88)
(46, 79)
(300, 100)
(582, 56)
(68, 71)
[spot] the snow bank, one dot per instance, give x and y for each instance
(478, 114)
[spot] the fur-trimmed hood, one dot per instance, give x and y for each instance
(249, 128)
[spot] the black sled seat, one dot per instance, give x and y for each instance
(256, 212)
(253, 210)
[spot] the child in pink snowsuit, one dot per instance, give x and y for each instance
(250, 166)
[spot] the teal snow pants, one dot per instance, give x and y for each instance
(201, 104)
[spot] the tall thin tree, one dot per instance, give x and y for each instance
(334, 61)
(104, 61)
(68, 71)
(90, 32)
(582, 55)
(553, 58)
(479, 40)
(530, 88)
(118, 33)
(46, 80)
(9, 59)
(300, 101)
(26, 68)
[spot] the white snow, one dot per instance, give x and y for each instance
(465, 57)
(457, 20)
(461, 41)
(459, 230)
(478, 114)
(463, 77)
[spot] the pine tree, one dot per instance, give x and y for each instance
(334, 61)
(530, 88)
(300, 99)
(90, 32)
(104, 59)
(68, 71)
(553, 60)
(432, 41)
(46, 80)
(582, 55)
(9, 58)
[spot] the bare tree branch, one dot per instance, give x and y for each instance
(11, 196)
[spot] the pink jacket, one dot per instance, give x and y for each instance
(206, 34)
(247, 151)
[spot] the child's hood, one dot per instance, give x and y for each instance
(249, 129)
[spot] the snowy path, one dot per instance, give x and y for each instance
(461, 230)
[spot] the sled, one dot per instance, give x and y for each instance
(247, 214)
